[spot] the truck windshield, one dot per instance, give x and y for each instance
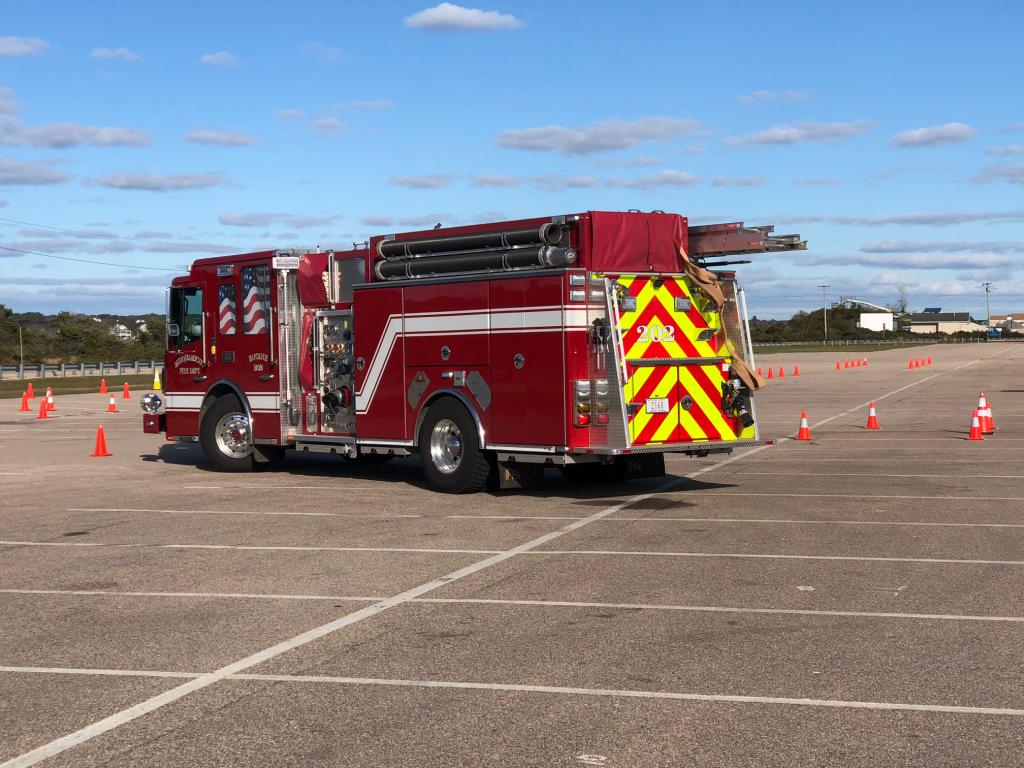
(186, 312)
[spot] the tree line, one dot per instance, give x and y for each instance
(73, 338)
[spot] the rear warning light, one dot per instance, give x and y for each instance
(581, 402)
(577, 295)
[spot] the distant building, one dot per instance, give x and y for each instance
(876, 321)
(945, 322)
(1012, 322)
(140, 326)
(121, 332)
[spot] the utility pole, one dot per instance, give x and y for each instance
(824, 308)
(21, 348)
(988, 309)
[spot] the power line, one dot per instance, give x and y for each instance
(85, 261)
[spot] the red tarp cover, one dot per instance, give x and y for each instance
(312, 292)
(306, 353)
(636, 242)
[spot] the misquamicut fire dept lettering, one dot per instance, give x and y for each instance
(594, 343)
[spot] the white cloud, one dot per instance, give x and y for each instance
(936, 219)
(554, 182)
(149, 182)
(21, 173)
(644, 161)
(14, 132)
(326, 127)
(798, 94)
(598, 137)
(654, 181)
(4, 204)
(372, 104)
(803, 132)
(426, 181)
(926, 261)
(8, 106)
(288, 114)
(1014, 174)
(942, 246)
(323, 51)
(220, 59)
(723, 181)
(494, 180)
(949, 133)
(114, 53)
(817, 182)
(377, 221)
(449, 16)
(1010, 150)
(22, 46)
(265, 219)
(220, 138)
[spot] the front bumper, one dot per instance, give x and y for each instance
(154, 423)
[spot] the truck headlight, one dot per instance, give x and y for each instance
(150, 403)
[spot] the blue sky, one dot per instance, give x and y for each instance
(891, 135)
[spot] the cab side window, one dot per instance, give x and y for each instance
(186, 314)
(255, 300)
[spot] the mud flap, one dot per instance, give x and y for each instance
(514, 474)
(644, 465)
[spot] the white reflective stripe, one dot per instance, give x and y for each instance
(380, 358)
(184, 402)
(574, 318)
(263, 402)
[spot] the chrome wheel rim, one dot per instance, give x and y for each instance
(234, 437)
(446, 446)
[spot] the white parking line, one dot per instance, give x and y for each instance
(741, 555)
(117, 719)
(250, 547)
(268, 513)
(537, 603)
(880, 474)
(197, 678)
(854, 497)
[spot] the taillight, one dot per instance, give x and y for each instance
(601, 401)
(581, 402)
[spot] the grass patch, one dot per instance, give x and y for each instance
(76, 385)
(840, 350)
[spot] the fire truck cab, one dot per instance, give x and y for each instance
(594, 342)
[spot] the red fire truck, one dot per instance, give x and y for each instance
(594, 342)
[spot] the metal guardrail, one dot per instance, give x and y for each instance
(62, 370)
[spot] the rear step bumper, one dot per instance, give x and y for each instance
(696, 447)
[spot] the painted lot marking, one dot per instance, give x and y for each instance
(513, 688)
(879, 474)
(59, 745)
(857, 497)
(741, 556)
(231, 512)
(537, 603)
(251, 547)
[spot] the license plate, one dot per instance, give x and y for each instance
(657, 405)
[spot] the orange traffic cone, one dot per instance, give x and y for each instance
(838, 366)
(872, 417)
(985, 415)
(856, 363)
(126, 393)
(910, 365)
(103, 386)
(759, 371)
(865, 361)
(101, 444)
(975, 433)
(43, 410)
(782, 372)
(50, 405)
(846, 363)
(805, 430)
(929, 360)
(112, 405)
(796, 371)
(31, 392)
(24, 403)
(769, 376)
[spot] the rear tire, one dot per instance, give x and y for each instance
(225, 435)
(453, 459)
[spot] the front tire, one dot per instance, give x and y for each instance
(225, 435)
(453, 459)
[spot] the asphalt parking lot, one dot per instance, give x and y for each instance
(857, 600)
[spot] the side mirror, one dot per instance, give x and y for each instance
(172, 330)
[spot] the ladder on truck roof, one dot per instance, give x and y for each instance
(736, 239)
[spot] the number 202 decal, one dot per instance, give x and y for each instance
(656, 333)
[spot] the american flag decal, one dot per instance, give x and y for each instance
(226, 309)
(255, 288)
